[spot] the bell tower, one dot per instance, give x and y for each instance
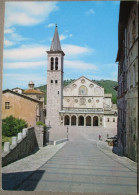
(54, 81)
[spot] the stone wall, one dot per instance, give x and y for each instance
(22, 145)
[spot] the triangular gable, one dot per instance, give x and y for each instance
(82, 77)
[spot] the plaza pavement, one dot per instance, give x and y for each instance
(83, 164)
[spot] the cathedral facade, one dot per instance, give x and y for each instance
(81, 103)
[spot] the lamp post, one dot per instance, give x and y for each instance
(67, 133)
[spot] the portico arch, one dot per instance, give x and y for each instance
(73, 120)
(81, 121)
(95, 121)
(88, 121)
(67, 119)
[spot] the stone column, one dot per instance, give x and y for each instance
(84, 121)
(14, 141)
(24, 132)
(19, 136)
(6, 146)
(77, 121)
(63, 119)
(39, 131)
(69, 120)
(92, 120)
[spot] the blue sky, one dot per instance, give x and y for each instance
(88, 32)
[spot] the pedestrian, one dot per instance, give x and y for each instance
(99, 137)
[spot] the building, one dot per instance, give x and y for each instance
(34, 93)
(81, 103)
(18, 90)
(127, 58)
(22, 106)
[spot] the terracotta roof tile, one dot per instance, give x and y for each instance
(33, 91)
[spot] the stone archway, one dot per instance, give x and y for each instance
(88, 121)
(95, 121)
(81, 121)
(73, 120)
(66, 122)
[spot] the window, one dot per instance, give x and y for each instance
(51, 81)
(56, 63)
(52, 63)
(7, 105)
(56, 81)
(82, 90)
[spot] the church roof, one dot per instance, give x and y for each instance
(55, 46)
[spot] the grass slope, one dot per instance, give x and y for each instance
(108, 86)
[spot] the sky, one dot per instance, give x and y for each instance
(88, 32)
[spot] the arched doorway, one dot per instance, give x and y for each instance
(73, 120)
(66, 120)
(95, 121)
(88, 121)
(81, 121)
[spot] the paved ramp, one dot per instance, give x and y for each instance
(81, 167)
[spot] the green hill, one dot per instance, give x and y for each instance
(108, 86)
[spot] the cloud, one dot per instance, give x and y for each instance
(8, 31)
(8, 43)
(24, 65)
(50, 25)
(32, 52)
(12, 38)
(80, 65)
(27, 52)
(90, 11)
(76, 50)
(64, 36)
(28, 13)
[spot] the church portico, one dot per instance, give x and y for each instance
(81, 119)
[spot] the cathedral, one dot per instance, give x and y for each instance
(81, 103)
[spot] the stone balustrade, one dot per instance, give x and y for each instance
(22, 145)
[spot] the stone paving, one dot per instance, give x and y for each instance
(83, 164)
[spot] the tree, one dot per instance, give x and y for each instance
(11, 126)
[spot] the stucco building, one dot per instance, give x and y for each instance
(127, 58)
(81, 103)
(22, 106)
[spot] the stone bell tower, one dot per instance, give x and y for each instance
(54, 81)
